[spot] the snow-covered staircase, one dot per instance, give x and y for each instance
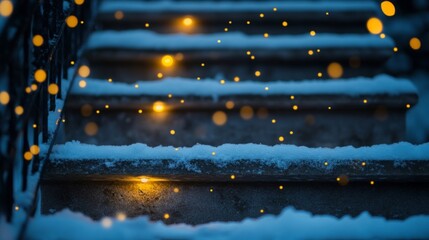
(151, 85)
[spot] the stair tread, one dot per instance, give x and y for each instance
(246, 161)
(150, 41)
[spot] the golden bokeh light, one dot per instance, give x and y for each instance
(246, 112)
(84, 71)
(91, 129)
(40, 75)
(284, 24)
(388, 8)
(82, 83)
(229, 104)
(167, 61)
(19, 110)
(72, 21)
(219, 118)
(28, 156)
(6, 8)
(79, 2)
(34, 149)
(374, 25)
(119, 15)
(38, 40)
(4, 97)
(53, 88)
(335, 70)
(415, 43)
(158, 106)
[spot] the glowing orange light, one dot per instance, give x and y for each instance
(167, 61)
(158, 106)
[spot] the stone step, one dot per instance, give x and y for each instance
(356, 112)
(203, 17)
(121, 55)
(194, 186)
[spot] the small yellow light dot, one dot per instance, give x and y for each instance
(140, 111)
(28, 90)
(219, 41)
(252, 57)
(222, 82)
(106, 106)
(395, 49)
(248, 22)
(329, 108)
(382, 36)
(281, 187)
(312, 33)
(248, 52)
(266, 35)
(281, 138)
(225, 29)
(232, 177)
(167, 61)
(17, 208)
(338, 179)
(34, 125)
(172, 132)
(170, 95)
(267, 88)
(182, 100)
(310, 52)
(372, 182)
(408, 105)
(284, 24)
(146, 25)
(365, 101)
(82, 83)
(229, 22)
(110, 80)
(188, 21)
(121, 216)
(319, 74)
(295, 107)
(326, 163)
(261, 15)
(275, 9)
(198, 78)
(203, 64)
(273, 121)
(213, 153)
(176, 190)
(292, 97)
(72, 63)
(136, 86)
(166, 216)
(236, 79)
(291, 132)
(363, 164)
(97, 111)
(261, 211)
(160, 75)
(211, 189)
(257, 73)
(327, 13)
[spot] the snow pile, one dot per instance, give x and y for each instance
(381, 84)
(147, 40)
(290, 224)
(253, 6)
(278, 154)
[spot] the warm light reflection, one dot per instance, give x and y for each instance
(158, 106)
(388, 8)
(188, 21)
(167, 61)
(335, 70)
(72, 21)
(219, 118)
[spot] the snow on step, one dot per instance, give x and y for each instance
(253, 6)
(289, 223)
(182, 87)
(301, 15)
(150, 41)
(244, 161)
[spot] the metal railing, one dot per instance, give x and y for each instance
(38, 44)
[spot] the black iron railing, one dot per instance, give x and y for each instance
(39, 42)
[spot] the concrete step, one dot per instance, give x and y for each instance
(194, 186)
(313, 113)
(203, 17)
(122, 54)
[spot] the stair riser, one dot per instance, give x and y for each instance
(311, 128)
(195, 204)
(229, 66)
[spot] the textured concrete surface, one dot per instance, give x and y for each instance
(356, 126)
(195, 203)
